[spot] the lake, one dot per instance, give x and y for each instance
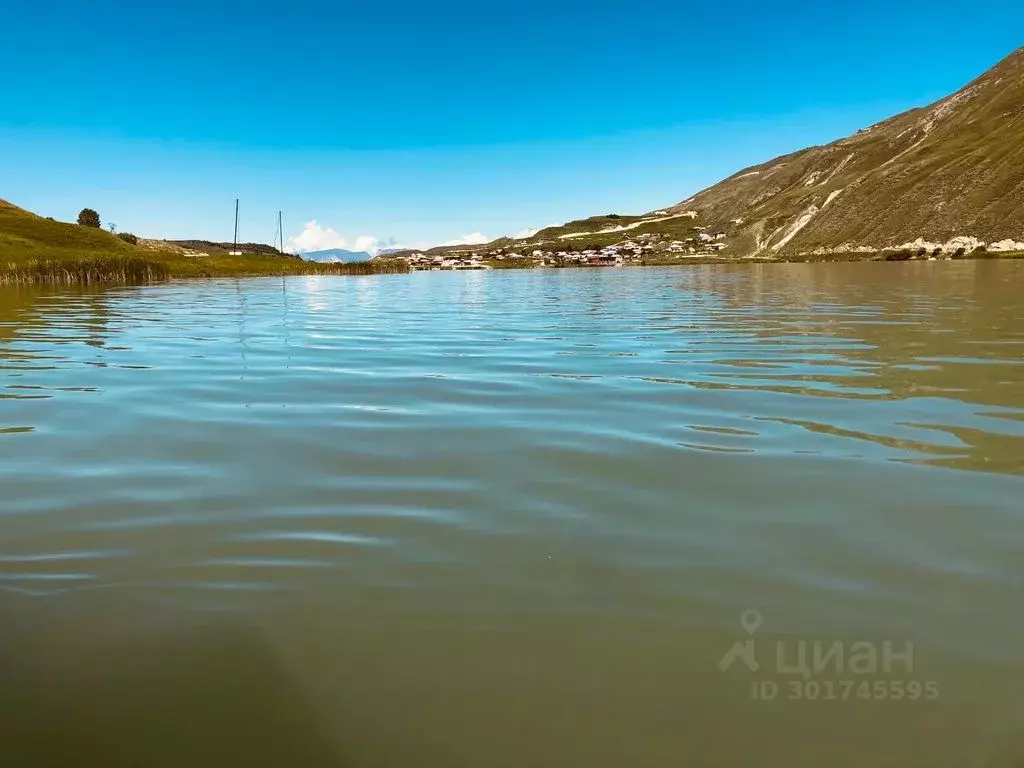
(718, 515)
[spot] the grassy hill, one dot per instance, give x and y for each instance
(212, 248)
(954, 169)
(947, 177)
(36, 249)
(25, 236)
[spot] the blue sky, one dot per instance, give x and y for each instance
(419, 123)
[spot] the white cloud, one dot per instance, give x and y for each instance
(315, 238)
(476, 238)
(524, 234)
(367, 243)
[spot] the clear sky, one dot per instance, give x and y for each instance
(423, 122)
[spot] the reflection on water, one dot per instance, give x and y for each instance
(510, 518)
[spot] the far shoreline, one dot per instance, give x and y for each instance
(141, 270)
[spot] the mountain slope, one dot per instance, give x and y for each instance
(954, 169)
(950, 175)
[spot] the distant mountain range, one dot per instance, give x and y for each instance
(949, 176)
(336, 255)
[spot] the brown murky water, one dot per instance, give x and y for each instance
(762, 515)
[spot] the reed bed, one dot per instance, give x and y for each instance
(389, 267)
(128, 270)
(122, 270)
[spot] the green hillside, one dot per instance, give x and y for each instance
(953, 170)
(25, 237)
(36, 249)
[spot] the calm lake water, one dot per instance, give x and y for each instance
(514, 518)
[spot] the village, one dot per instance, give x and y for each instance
(635, 251)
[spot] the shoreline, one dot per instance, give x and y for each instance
(141, 269)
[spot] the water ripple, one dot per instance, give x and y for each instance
(623, 442)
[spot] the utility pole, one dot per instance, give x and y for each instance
(280, 230)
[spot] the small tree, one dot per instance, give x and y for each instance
(89, 218)
(128, 237)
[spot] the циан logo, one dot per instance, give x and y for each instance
(835, 670)
(751, 621)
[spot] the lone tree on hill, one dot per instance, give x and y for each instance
(89, 218)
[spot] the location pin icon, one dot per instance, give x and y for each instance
(751, 620)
